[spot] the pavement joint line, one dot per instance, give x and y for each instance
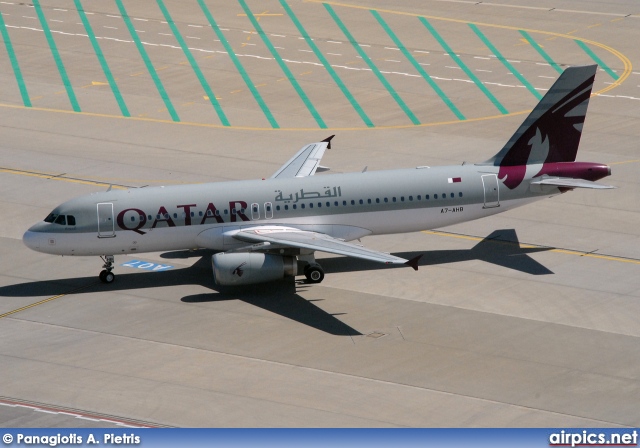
(73, 291)
(371, 65)
(12, 402)
(56, 56)
(194, 64)
(103, 62)
(239, 66)
(60, 177)
(327, 65)
(590, 254)
(283, 66)
(505, 61)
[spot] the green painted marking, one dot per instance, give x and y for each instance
(417, 66)
(327, 65)
(103, 61)
(506, 63)
(239, 67)
(194, 64)
(14, 63)
(598, 61)
(56, 57)
(543, 53)
(371, 65)
(147, 61)
(463, 66)
(282, 65)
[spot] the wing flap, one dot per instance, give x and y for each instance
(319, 241)
(567, 182)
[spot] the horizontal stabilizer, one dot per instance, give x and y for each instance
(567, 182)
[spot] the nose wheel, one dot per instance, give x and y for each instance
(106, 276)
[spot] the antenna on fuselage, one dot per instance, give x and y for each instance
(110, 186)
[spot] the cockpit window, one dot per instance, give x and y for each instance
(61, 220)
(52, 217)
(71, 220)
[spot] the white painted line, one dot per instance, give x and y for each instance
(335, 54)
(479, 70)
(44, 411)
(306, 51)
(166, 34)
(636, 73)
(113, 17)
(509, 60)
(56, 9)
(423, 63)
(334, 42)
(391, 60)
(449, 66)
(608, 83)
(480, 57)
(110, 27)
(247, 43)
(139, 31)
(391, 48)
(27, 17)
(141, 20)
(548, 77)
(628, 97)
(279, 48)
(8, 3)
(364, 45)
(278, 35)
(195, 26)
(192, 37)
(54, 20)
(541, 63)
(420, 51)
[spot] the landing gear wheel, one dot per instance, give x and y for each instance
(107, 276)
(314, 273)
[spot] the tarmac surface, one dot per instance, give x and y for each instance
(527, 318)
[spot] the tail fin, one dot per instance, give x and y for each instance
(551, 132)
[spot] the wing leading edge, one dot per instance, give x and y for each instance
(319, 241)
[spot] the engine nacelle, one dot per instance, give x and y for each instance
(246, 268)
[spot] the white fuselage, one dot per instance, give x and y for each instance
(346, 206)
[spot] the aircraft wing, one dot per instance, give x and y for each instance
(568, 182)
(319, 241)
(305, 162)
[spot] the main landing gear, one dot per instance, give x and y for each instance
(313, 271)
(106, 276)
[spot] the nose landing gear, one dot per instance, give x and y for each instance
(106, 276)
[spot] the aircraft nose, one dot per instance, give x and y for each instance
(32, 239)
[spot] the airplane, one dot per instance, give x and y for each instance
(261, 229)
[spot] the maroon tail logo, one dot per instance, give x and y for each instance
(553, 136)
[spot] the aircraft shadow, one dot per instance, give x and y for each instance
(278, 297)
(501, 248)
(281, 297)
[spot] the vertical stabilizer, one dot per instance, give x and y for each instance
(551, 133)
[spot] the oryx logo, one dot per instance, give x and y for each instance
(239, 271)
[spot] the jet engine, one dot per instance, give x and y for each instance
(246, 268)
